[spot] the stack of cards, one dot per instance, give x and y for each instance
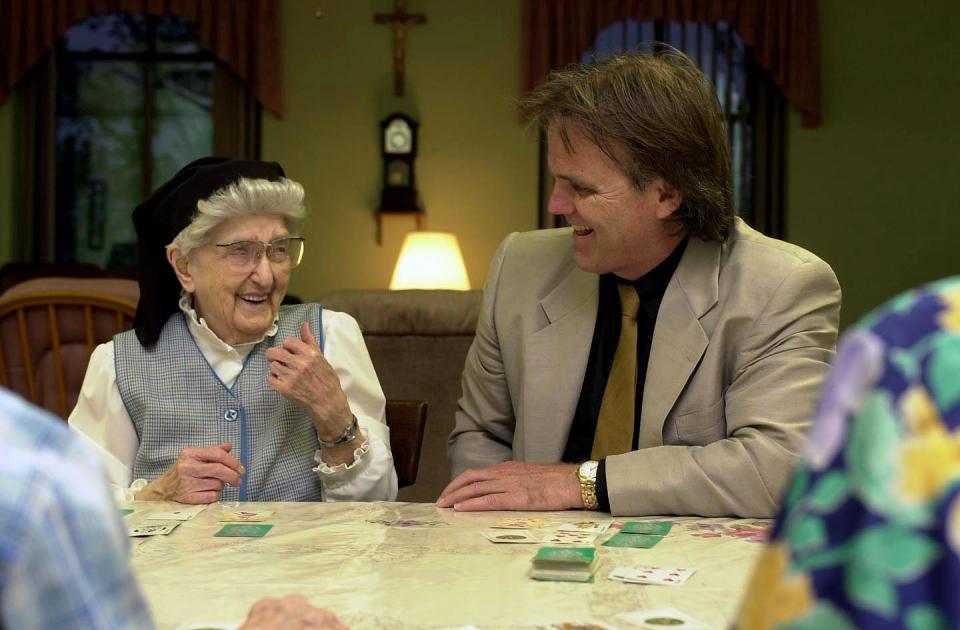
(651, 575)
(564, 564)
(639, 535)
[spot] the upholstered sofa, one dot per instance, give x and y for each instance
(418, 341)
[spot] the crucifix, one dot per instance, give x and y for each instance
(400, 20)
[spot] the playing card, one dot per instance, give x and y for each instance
(594, 527)
(151, 530)
(656, 528)
(651, 575)
(519, 523)
(245, 516)
(662, 618)
(564, 537)
(637, 541)
(180, 514)
(245, 530)
(509, 536)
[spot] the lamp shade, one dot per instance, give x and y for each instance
(430, 260)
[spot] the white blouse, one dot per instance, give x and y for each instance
(101, 417)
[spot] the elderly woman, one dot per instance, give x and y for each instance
(219, 389)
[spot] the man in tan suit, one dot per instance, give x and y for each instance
(694, 399)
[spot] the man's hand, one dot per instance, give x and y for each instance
(197, 476)
(514, 486)
(300, 372)
(293, 612)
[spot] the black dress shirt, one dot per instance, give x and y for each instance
(606, 333)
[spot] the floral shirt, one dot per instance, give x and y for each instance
(869, 533)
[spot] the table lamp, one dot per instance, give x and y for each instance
(430, 260)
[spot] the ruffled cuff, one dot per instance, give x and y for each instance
(342, 473)
(125, 495)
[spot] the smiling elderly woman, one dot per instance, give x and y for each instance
(219, 390)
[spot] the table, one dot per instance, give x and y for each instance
(413, 565)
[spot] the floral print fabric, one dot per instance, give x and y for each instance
(869, 532)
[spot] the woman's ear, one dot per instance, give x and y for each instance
(181, 267)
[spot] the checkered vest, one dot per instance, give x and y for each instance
(176, 400)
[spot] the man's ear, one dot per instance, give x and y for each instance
(181, 267)
(669, 199)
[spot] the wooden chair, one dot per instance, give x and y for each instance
(48, 329)
(406, 419)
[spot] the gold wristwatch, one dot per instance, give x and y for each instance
(587, 476)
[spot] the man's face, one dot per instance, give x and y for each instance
(616, 228)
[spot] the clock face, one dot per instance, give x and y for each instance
(398, 137)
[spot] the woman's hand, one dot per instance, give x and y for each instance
(197, 476)
(300, 372)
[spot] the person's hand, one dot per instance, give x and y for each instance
(197, 476)
(514, 486)
(300, 372)
(293, 612)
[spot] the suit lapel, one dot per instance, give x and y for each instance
(556, 360)
(678, 338)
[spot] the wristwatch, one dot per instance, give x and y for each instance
(347, 436)
(587, 476)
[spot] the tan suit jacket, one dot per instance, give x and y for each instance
(741, 345)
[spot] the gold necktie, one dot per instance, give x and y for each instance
(616, 419)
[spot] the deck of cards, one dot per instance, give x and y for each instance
(564, 564)
(651, 575)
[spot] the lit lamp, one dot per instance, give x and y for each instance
(430, 260)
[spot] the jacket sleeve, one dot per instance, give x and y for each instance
(485, 422)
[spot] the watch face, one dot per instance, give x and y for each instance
(398, 137)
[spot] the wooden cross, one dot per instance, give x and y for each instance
(400, 20)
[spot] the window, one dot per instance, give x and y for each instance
(134, 103)
(753, 106)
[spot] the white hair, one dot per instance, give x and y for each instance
(283, 198)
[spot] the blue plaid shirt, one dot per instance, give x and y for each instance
(63, 546)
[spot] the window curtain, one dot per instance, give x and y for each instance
(783, 36)
(242, 34)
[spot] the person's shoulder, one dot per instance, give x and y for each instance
(767, 259)
(548, 242)
(39, 450)
(932, 309)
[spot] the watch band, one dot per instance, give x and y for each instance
(587, 476)
(347, 436)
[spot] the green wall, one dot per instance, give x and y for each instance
(6, 182)
(476, 167)
(874, 190)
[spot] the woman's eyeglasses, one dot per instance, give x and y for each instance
(285, 252)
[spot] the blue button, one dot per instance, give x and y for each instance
(230, 415)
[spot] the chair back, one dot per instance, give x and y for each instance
(406, 419)
(48, 329)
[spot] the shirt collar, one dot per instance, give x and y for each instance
(198, 326)
(652, 285)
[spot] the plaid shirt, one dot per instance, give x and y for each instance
(63, 548)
